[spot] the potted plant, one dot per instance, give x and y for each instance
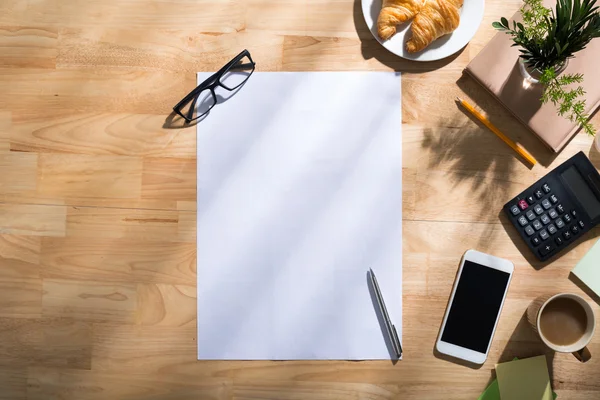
(548, 39)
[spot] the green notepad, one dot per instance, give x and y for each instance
(588, 269)
(493, 391)
(526, 379)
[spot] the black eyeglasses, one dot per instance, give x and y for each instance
(200, 100)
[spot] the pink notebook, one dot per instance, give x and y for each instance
(496, 68)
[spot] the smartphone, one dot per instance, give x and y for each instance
(475, 305)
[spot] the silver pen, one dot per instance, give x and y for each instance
(388, 323)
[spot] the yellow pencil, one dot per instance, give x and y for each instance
(516, 147)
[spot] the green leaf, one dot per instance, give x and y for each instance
(497, 25)
(504, 22)
(520, 25)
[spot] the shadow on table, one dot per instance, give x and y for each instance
(371, 48)
(176, 121)
(472, 158)
(524, 343)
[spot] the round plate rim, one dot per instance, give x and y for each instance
(367, 4)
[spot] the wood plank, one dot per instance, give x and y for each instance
(5, 130)
(103, 134)
(204, 15)
(49, 342)
(22, 248)
(318, 391)
(71, 175)
(188, 50)
(169, 178)
(26, 91)
(20, 289)
(36, 220)
(18, 172)
(89, 301)
(118, 260)
(186, 227)
(50, 384)
(139, 224)
(31, 47)
(168, 305)
(119, 348)
(303, 18)
(13, 382)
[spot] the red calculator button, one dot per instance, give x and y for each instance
(523, 205)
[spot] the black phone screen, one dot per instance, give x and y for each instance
(475, 307)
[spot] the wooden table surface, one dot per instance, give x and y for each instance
(97, 202)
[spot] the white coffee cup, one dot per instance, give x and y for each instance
(578, 348)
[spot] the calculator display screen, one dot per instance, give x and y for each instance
(475, 307)
(582, 191)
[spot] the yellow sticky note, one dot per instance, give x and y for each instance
(526, 379)
(587, 269)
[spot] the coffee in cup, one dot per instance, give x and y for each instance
(565, 322)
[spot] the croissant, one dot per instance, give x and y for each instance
(394, 12)
(437, 18)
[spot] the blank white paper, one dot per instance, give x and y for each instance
(299, 194)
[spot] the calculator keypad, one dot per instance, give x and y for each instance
(546, 249)
(538, 209)
(523, 205)
(546, 204)
(540, 212)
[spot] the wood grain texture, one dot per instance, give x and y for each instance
(98, 203)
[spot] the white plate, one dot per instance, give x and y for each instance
(470, 19)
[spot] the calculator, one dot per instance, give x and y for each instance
(559, 208)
